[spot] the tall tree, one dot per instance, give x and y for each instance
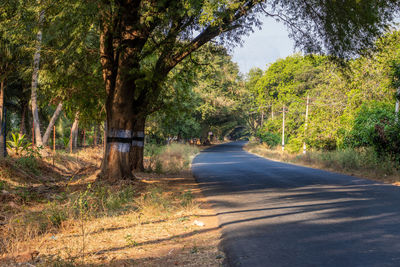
(142, 41)
(35, 76)
(8, 57)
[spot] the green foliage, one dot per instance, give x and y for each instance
(191, 98)
(387, 139)
(116, 202)
(65, 141)
(29, 163)
(18, 143)
(130, 242)
(271, 139)
(83, 204)
(369, 116)
(349, 107)
(3, 185)
(55, 214)
(186, 198)
(199, 98)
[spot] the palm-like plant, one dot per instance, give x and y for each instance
(18, 143)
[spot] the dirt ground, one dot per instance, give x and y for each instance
(163, 232)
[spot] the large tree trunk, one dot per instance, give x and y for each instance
(137, 148)
(118, 66)
(53, 120)
(35, 75)
(116, 162)
(3, 150)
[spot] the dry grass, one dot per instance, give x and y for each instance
(61, 216)
(361, 163)
(173, 158)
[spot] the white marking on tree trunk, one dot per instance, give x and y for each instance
(138, 143)
(121, 147)
(120, 133)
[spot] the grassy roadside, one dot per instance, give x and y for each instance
(362, 163)
(60, 216)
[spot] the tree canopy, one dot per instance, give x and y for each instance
(131, 59)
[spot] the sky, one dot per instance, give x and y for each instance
(263, 46)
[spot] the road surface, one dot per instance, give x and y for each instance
(277, 214)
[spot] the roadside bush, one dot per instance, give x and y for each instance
(294, 145)
(363, 132)
(323, 143)
(271, 139)
(375, 126)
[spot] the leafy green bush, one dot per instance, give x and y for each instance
(294, 145)
(370, 115)
(271, 139)
(323, 143)
(376, 126)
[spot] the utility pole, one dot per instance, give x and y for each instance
(305, 126)
(397, 105)
(262, 116)
(272, 112)
(283, 128)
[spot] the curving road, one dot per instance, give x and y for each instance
(277, 214)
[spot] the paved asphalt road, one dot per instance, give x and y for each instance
(277, 214)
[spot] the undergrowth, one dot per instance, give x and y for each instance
(93, 202)
(172, 158)
(33, 209)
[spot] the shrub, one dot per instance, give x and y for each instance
(55, 214)
(363, 133)
(294, 145)
(29, 163)
(271, 139)
(186, 198)
(375, 126)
